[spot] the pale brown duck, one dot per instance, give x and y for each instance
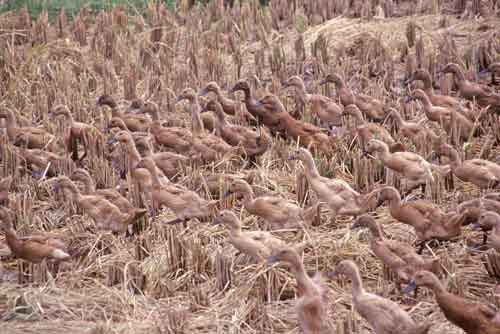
(134, 122)
(324, 108)
(372, 108)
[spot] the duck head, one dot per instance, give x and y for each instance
(422, 278)
(210, 87)
(294, 81)
(487, 220)
(106, 100)
(123, 137)
(241, 85)
(346, 268)
(227, 218)
(287, 255)
(147, 163)
(375, 146)
(187, 94)
(301, 154)
(332, 78)
(5, 219)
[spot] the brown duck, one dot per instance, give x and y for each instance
(33, 249)
(372, 108)
(472, 317)
(324, 108)
(134, 122)
(384, 315)
(5, 185)
(312, 293)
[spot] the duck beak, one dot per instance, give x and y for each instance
(408, 99)
(292, 157)
(410, 287)
(323, 82)
(355, 226)
(179, 99)
(259, 104)
(408, 81)
(203, 110)
(477, 226)
(216, 221)
(365, 154)
(227, 194)
(112, 141)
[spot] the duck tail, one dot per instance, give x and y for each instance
(59, 254)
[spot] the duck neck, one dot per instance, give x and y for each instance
(302, 93)
(376, 230)
(196, 122)
(298, 270)
(247, 91)
(155, 177)
(75, 193)
(358, 117)
(398, 118)
(89, 185)
(235, 230)
(424, 99)
(12, 240)
(357, 283)
(384, 154)
(458, 73)
(454, 157)
(394, 200)
(248, 195)
(133, 155)
(340, 84)
(311, 169)
(426, 80)
(437, 287)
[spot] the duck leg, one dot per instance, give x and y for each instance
(485, 238)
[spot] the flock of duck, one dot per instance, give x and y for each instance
(145, 149)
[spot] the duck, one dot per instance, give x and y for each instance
(306, 134)
(230, 107)
(88, 135)
(208, 146)
(168, 162)
(174, 139)
(134, 122)
(383, 315)
(367, 130)
(41, 162)
(5, 185)
(484, 95)
(312, 293)
(106, 215)
(415, 131)
(475, 207)
(445, 116)
(277, 211)
(470, 316)
(36, 138)
(372, 108)
(340, 197)
(254, 143)
(438, 100)
(251, 104)
(400, 257)
(272, 111)
(112, 195)
(184, 203)
(427, 219)
(482, 173)
(490, 220)
(410, 165)
(324, 108)
(257, 244)
(34, 249)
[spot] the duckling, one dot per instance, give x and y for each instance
(32, 249)
(106, 215)
(372, 108)
(483, 173)
(277, 211)
(410, 165)
(258, 244)
(338, 194)
(472, 317)
(415, 131)
(428, 220)
(445, 116)
(36, 138)
(490, 220)
(208, 146)
(254, 143)
(185, 204)
(312, 292)
(324, 108)
(367, 130)
(87, 134)
(384, 315)
(400, 257)
(482, 94)
(111, 195)
(229, 106)
(5, 185)
(134, 122)
(169, 163)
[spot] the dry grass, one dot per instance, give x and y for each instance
(175, 280)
